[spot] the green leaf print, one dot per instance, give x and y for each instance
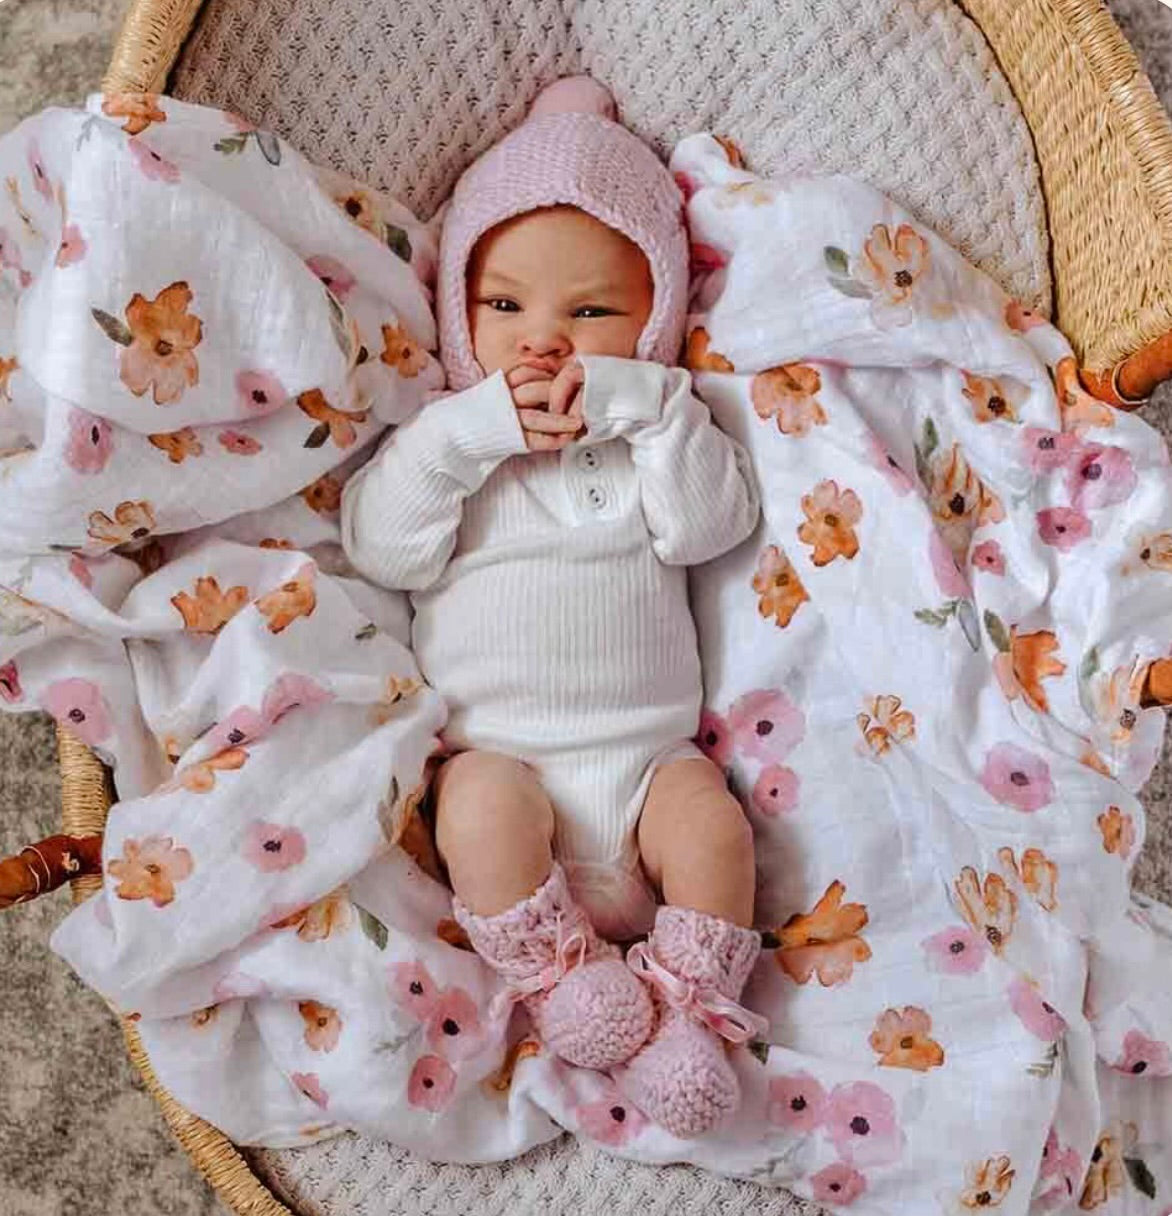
(759, 1050)
(270, 146)
(997, 632)
(373, 928)
(966, 614)
(399, 242)
(849, 287)
(836, 261)
(770, 940)
(231, 145)
(930, 438)
(366, 632)
(1141, 1176)
(114, 328)
(318, 435)
(937, 619)
(338, 324)
(1089, 665)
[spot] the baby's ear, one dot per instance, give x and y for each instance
(574, 95)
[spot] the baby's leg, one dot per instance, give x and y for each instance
(696, 843)
(494, 825)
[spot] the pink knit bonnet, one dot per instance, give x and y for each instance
(570, 150)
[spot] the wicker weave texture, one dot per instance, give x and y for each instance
(1104, 147)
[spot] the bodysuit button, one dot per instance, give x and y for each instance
(589, 459)
(596, 498)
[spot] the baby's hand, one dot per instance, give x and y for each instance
(548, 407)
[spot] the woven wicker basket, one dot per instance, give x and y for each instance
(1104, 146)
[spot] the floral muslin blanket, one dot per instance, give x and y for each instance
(924, 673)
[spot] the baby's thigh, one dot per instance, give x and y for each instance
(486, 799)
(689, 806)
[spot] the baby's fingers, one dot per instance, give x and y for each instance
(532, 395)
(546, 443)
(548, 424)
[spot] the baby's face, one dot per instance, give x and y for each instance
(554, 283)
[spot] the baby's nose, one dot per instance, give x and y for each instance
(546, 340)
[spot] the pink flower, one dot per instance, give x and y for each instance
(154, 166)
(837, 1185)
(332, 273)
(955, 951)
(713, 738)
(37, 168)
(454, 1024)
(776, 791)
(1017, 778)
(797, 1102)
(687, 186)
(431, 1083)
(288, 691)
(706, 258)
(238, 444)
(1046, 451)
(1063, 527)
(1100, 477)
(860, 1121)
(259, 393)
(1142, 1055)
(949, 577)
(79, 705)
(310, 1086)
(10, 689)
(271, 847)
(610, 1118)
(766, 724)
(413, 989)
(72, 248)
(883, 460)
(1020, 318)
(90, 442)
(1035, 1014)
(1064, 1167)
(242, 725)
(81, 571)
(988, 556)
(241, 124)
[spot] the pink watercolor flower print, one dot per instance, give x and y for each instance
(988, 556)
(239, 444)
(151, 164)
(1017, 778)
(91, 440)
(860, 1121)
(1034, 1013)
(310, 1086)
(10, 689)
(1144, 1057)
(79, 705)
(333, 274)
(271, 847)
(796, 1102)
(1061, 1171)
(1063, 527)
(775, 791)
(766, 724)
(686, 183)
(883, 460)
(956, 950)
(837, 1185)
(431, 1083)
(949, 576)
(610, 1118)
(72, 247)
(1022, 319)
(413, 989)
(290, 690)
(1046, 450)
(1100, 477)
(705, 258)
(714, 738)
(259, 393)
(40, 175)
(81, 571)
(242, 725)
(453, 1026)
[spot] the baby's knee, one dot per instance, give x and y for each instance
(710, 817)
(483, 798)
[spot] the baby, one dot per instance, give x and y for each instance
(543, 517)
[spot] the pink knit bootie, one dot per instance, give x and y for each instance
(697, 966)
(586, 1005)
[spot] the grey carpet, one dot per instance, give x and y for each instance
(78, 1135)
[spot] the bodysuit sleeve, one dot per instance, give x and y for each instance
(696, 483)
(402, 510)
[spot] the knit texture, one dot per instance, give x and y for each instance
(905, 94)
(590, 162)
(682, 1078)
(598, 1013)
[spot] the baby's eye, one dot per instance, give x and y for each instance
(594, 311)
(500, 304)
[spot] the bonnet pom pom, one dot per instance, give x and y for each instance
(574, 95)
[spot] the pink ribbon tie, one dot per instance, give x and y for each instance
(708, 1005)
(563, 962)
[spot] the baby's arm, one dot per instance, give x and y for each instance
(402, 510)
(699, 494)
